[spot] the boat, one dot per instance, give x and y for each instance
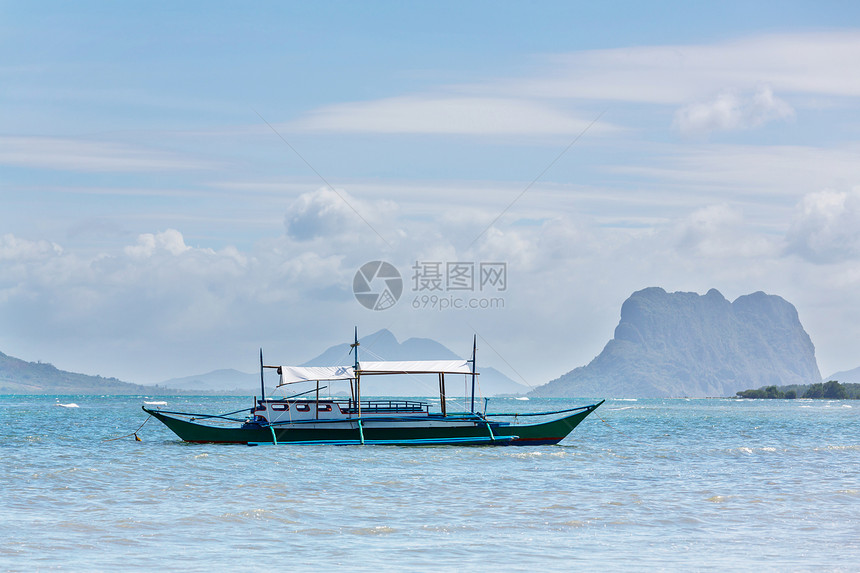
(307, 417)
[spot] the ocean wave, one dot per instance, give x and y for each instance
(836, 448)
(378, 530)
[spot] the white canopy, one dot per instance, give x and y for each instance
(416, 367)
(291, 374)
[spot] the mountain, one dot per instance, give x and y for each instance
(846, 376)
(683, 344)
(20, 377)
(383, 345)
(225, 380)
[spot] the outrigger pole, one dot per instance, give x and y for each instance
(474, 367)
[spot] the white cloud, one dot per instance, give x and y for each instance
(813, 63)
(720, 232)
(88, 155)
(170, 240)
(731, 111)
(817, 63)
(333, 213)
(826, 227)
(21, 258)
(452, 115)
(14, 249)
(767, 179)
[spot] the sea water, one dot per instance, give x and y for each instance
(639, 485)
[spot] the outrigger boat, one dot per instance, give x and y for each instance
(300, 419)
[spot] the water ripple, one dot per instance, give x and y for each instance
(663, 484)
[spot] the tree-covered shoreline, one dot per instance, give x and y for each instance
(830, 390)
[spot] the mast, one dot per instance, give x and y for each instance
(474, 367)
(262, 382)
(354, 346)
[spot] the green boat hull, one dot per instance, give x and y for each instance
(451, 430)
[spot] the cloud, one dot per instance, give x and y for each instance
(731, 111)
(816, 63)
(826, 227)
(451, 115)
(15, 249)
(88, 155)
(170, 240)
(329, 213)
(719, 232)
(812, 62)
(20, 259)
(766, 179)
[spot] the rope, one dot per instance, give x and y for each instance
(608, 424)
(134, 433)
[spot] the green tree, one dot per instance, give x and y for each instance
(814, 391)
(834, 390)
(831, 389)
(773, 392)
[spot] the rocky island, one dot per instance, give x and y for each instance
(683, 344)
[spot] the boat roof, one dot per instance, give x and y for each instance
(292, 374)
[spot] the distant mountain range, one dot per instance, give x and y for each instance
(666, 345)
(381, 345)
(846, 376)
(221, 381)
(20, 377)
(685, 345)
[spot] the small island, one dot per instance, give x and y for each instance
(830, 390)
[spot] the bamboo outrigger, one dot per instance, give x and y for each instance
(298, 419)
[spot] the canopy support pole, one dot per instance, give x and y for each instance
(354, 346)
(474, 367)
(442, 393)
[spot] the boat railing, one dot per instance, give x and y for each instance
(386, 407)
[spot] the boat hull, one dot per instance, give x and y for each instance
(436, 431)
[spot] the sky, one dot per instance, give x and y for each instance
(182, 184)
